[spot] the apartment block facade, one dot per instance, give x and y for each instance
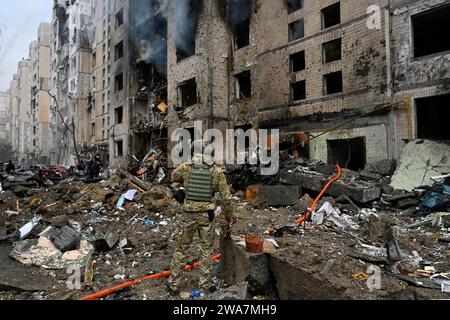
(20, 113)
(39, 131)
(421, 68)
(355, 79)
(5, 151)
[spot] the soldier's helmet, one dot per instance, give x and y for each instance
(199, 147)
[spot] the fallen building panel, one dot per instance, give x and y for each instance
(361, 193)
(420, 161)
(277, 195)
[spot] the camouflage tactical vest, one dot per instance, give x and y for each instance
(199, 186)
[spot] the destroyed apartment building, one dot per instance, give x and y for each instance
(359, 91)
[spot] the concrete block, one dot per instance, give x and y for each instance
(361, 194)
(370, 176)
(384, 167)
(279, 195)
(238, 265)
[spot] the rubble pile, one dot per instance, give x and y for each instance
(363, 239)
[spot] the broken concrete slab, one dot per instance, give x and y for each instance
(419, 162)
(14, 276)
(236, 292)
(279, 195)
(43, 253)
(384, 167)
(361, 192)
(239, 266)
(370, 176)
(400, 196)
(407, 203)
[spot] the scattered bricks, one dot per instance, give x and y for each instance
(239, 266)
(370, 176)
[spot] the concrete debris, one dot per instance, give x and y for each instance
(384, 168)
(354, 226)
(419, 162)
(236, 292)
(43, 253)
(276, 195)
(350, 185)
(106, 242)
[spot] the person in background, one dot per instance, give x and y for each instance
(10, 167)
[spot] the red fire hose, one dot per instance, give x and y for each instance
(132, 283)
(313, 206)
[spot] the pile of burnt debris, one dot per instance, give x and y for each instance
(321, 231)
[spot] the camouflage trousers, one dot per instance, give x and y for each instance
(193, 222)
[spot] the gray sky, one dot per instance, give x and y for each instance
(19, 20)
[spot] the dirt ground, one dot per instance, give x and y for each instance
(304, 252)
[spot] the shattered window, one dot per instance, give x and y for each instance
(426, 26)
(119, 148)
(298, 90)
(294, 5)
(119, 51)
(188, 92)
(119, 18)
(119, 82)
(332, 51)
(297, 61)
(242, 34)
(331, 15)
(119, 115)
(333, 83)
(432, 117)
(243, 85)
(296, 30)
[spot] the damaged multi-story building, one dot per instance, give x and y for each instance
(108, 78)
(72, 38)
(148, 76)
(39, 131)
(5, 145)
(299, 66)
(421, 68)
(19, 110)
(352, 79)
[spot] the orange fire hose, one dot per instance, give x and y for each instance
(313, 206)
(132, 283)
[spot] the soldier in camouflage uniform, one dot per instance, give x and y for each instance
(201, 182)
